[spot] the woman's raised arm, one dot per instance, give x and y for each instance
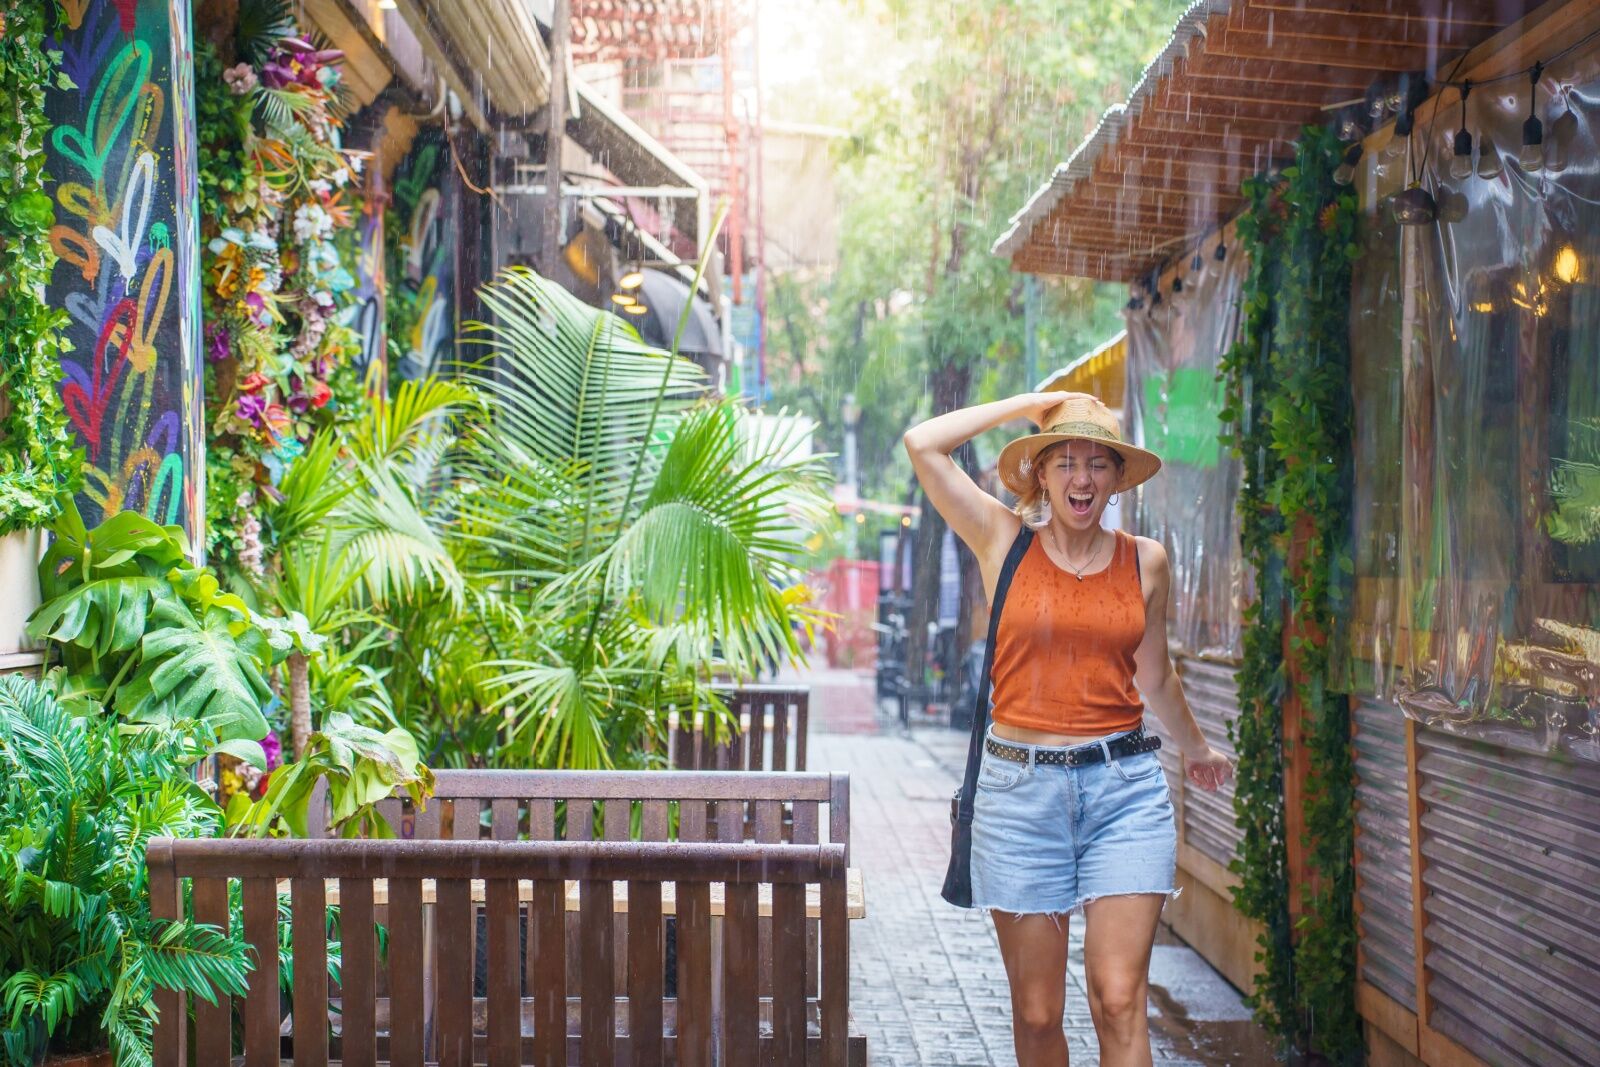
(981, 521)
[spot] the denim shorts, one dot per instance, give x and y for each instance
(1048, 838)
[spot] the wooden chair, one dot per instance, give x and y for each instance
(535, 1010)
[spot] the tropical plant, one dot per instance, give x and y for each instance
(628, 538)
(146, 635)
(361, 768)
(80, 954)
(38, 459)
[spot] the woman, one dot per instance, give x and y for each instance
(1071, 809)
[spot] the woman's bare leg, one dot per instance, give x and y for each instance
(1034, 948)
(1117, 941)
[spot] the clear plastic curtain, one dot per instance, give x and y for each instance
(1476, 342)
(1173, 405)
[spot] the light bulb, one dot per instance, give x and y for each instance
(631, 280)
(1345, 172)
(1531, 157)
(622, 299)
(1489, 162)
(1563, 132)
(1461, 162)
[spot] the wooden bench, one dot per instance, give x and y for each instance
(536, 1010)
(782, 713)
(685, 808)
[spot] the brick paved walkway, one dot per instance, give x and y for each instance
(927, 985)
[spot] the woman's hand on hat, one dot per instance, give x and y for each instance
(1209, 771)
(1040, 405)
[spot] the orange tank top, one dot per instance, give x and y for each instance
(1063, 657)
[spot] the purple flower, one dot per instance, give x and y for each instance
(273, 748)
(217, 346)
(251, 406)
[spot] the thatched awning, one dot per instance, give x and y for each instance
(1224, 100)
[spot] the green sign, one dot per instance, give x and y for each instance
(1181, 421)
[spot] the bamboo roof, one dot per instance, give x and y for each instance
(1225, 99)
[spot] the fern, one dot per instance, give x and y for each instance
(79, 800)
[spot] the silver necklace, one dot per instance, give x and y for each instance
(1077, 572)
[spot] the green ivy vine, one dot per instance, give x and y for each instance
(38, 456)
(1288, 413)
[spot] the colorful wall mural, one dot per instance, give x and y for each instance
(121, 157)
(421, 235)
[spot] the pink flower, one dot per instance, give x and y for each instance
(241, 78)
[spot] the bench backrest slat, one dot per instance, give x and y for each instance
(350, 1023)
(769, 728)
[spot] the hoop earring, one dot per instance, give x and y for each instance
(1114, 498)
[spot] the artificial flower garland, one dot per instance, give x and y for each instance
(276, 198)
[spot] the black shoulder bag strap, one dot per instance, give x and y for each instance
(958, 878)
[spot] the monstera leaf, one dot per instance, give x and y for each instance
(102, 616)
(207, 667)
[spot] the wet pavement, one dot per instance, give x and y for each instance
(926, 982)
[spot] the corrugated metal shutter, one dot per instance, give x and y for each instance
(1383, 853)
(1511, 843)
(1208, 820)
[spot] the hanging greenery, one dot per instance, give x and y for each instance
(1289, 417)
(38, 459)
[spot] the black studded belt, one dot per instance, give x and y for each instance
(1131, 744)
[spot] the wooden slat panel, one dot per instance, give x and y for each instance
(427, 822)
(619, 819)
(692, 820)
(466, 819)
(839, 812)
(739, 984)
(541, 819)
(789, 975)
(599, 963)
(358, 972)
(453, 921)
(170, 1044)
(505, 972)
(213, 1023)
(260, 896)
(503, 819)
(580, 819)
(653, 820)
(645, 961)
(547, 969)
(308, 904)
(802, 728)
(805, 822)
(780, 734)
(406, 1005)
(756, 734)
(835, 974)
(1511, 846)
(694, 974)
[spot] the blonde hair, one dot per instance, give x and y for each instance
(1030, 505)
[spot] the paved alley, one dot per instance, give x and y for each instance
(927, 985)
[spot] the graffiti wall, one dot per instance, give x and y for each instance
(121, 159)
(420, 231)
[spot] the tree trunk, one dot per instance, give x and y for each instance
(951, 384)
(299, 701)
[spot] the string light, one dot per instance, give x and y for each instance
(1222, 251)
(1345, 172)
(1532, 155)
(1177, 284)
(1461, 164)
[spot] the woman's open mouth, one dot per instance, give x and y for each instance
(1080, 503)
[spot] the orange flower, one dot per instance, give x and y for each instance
(1328, 218)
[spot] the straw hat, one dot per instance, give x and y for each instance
(1078, 418)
